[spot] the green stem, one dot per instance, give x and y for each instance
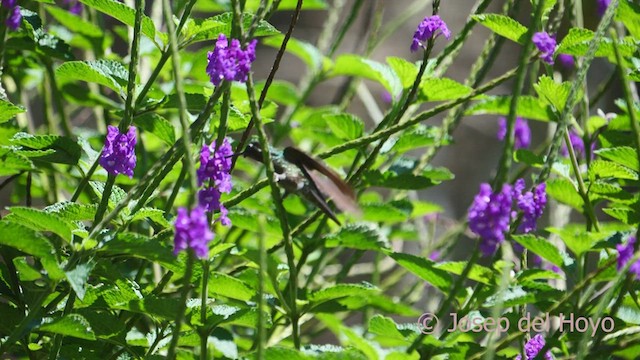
(204, 332)
(133, 68)
(85, 180)
(263, 271)
(104, 202)
(182, 305)
(57, 97)
(57, 340)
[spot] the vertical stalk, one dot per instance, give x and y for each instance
(186, 289)
(204, 332)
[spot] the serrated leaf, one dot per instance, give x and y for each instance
(386, 328)
(342, 290)
(43, 221)
(478, 272)
(124, 14)
(8, 111)
(345, 126)
(152, 249)
(528, 157)
(304, 51)
(210, 28)
(623, 155)
(541, 247)
(562, 190)
(537, 274)
(578, 239)
(424, 269)
(281, 92)
(626, 215)
(415, 137)
(227, 286)
(73, 325)
(24, 239)
(354, 65)
(503, 26)
(407, 181)
(406, 71)
(78, 277)
(441, 89)
(109, 73)
(157, 125)
(73, 211)
(358, 236)
(74, 23)
(629, 13)
(11, 162)
(529, 107)
(67, 151)
(578, 40)
(155, 215)
(514, 295)
(553, 93)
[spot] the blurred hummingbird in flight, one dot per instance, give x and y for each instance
(299, 173)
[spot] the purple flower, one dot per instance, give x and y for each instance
(521, 129)
(435, 255)
(625, 254)
(489, 216)
(566, 61)
(431, 26)
(601, 6)
(75, 6)
(546, 44)
(192, 230)
(531, 204)
(578, 145)
(230, 62)
(14, 18)
(537, 260)
(9, 3)
(533, 347)
(118, 154)
(215, 165)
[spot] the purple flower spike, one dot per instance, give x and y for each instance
(431, 26)
(489, 216)
(533, 347)
(532, 205)
(230, 63)
(118, 155)
(546, 44)
(192, 230)
(566, 61)
(215, 165)
(14, 18)
(601, 6)
(578, 145)
(522, 132)
(625, 254)
(9, 3)
(75, 6)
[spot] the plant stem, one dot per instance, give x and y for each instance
(104, 202)
(182, 305)
(204, 332)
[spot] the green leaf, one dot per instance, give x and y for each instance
(342, 290)
(281, 92)
(104, 324)
(578, 40)
(578, 239)
(43, 221)
(157, 125)
(406, 71)
(629, 13)
(425, 269)
(78, 277)
(41, 41)
(155, 215)
(124, 14)
(354, 65)
(529, 107)
(26, 240)
(387, 329)
(541, 247)
(623, 155)
(358, 236)
(24, 270)
(512, 296)
(562, 190)
(383, 212)
(67, 151)
(346, 126)
(72, 211)
(626, 215)
(537, 274)
(503, 26)
(152, 249)
(441, 89)
(528, 157)
(415, 137)
(11, 162)
(75, 23)
(227, 286)
(8, 111)
(209, 29)
(602, 169)
(109, 73)
(478, 273)
(407, 181)
(304, 51)
(553, 93)
(73, 325)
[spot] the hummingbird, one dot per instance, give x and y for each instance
(299, 173)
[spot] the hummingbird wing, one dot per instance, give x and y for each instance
(331, 185)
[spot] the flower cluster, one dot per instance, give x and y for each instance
(546, 44)
(75, 6)
(601, 6)
(215, 165)
(521, 131)
(533, 347)
(577, 144)
(192, 230)
(566, 61)
(625, 254)
(230, 62)
(118, 154)
(14, 18)
(491, 212)
(431, 26)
